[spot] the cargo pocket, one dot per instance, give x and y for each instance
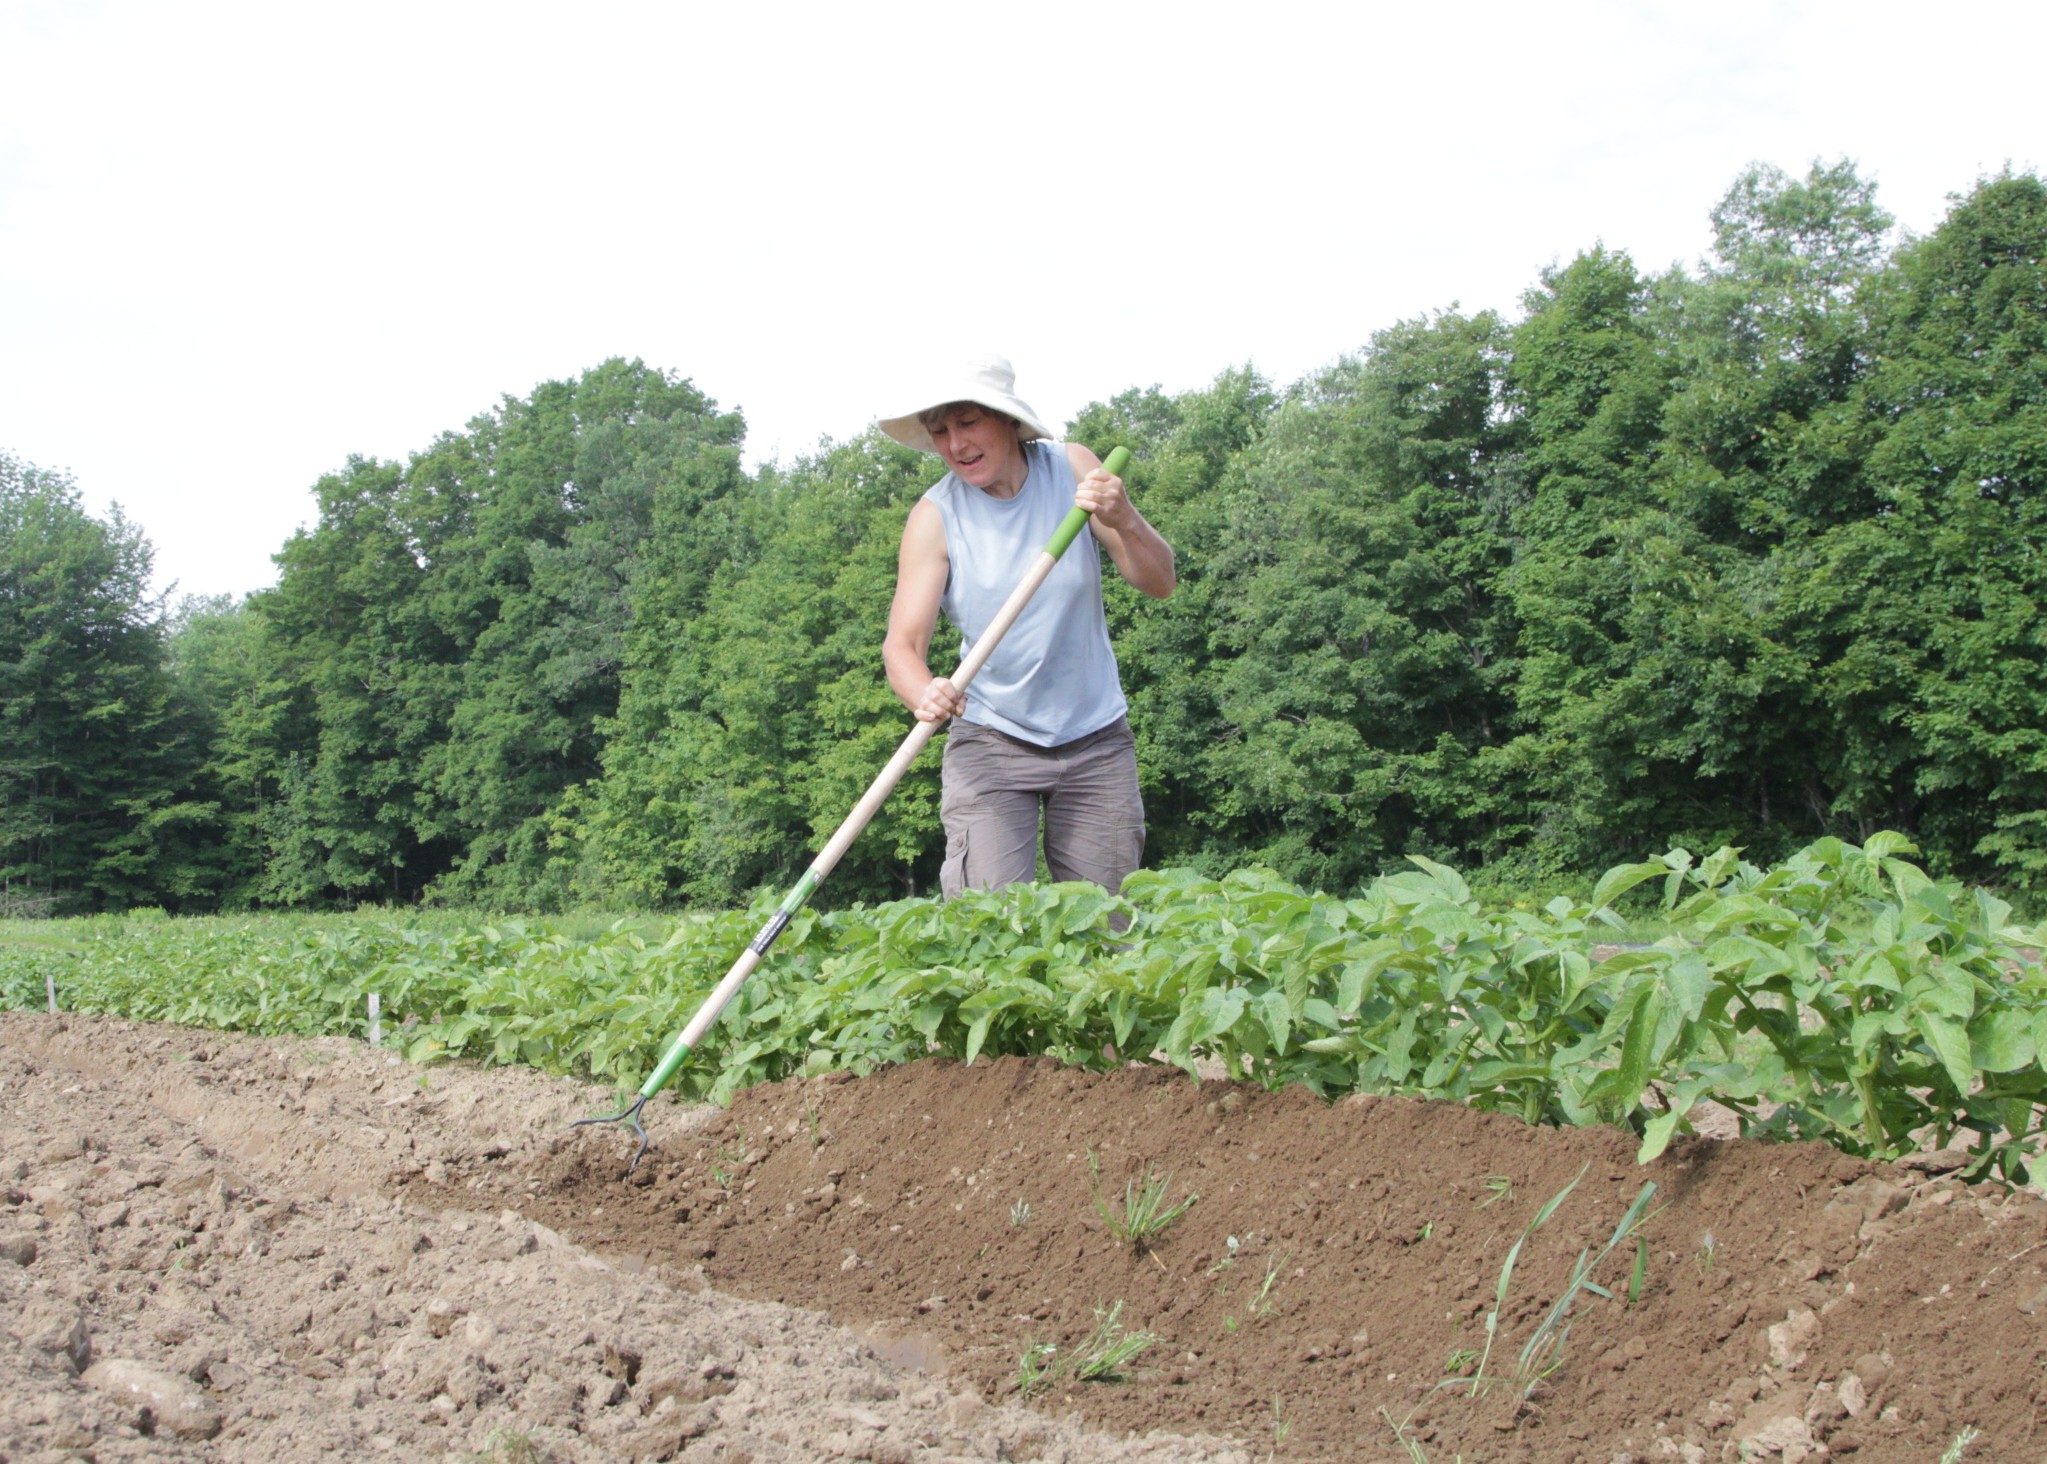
(952, 875)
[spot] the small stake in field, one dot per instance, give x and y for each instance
(856, 821)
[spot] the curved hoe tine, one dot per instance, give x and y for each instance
(630, 1115)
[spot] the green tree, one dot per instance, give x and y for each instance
(1355, 616)
(1929, 610)
(1587, 382)
(1765, 453)
(458, 631)
(358, 635)
(755, 712)
(1761, 452)
(91, 754)
(1769, 344)
(1183, 447)
(537, 593)
(246, 715)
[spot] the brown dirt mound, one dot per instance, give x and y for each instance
(1795, 1303)
(296, 1249)
(201, 1257)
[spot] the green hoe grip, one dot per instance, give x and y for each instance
(1069, 527)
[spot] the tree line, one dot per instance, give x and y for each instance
(1742, 553)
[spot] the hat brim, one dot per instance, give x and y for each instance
(909, 429)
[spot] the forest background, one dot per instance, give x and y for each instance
(1743, 554)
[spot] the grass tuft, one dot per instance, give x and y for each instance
(1103, 1356)
(1506, 1278)
(1145, 1213)
(1037, 1369)
(1109, 1349)
(1953, 1453)
(1543, 1353)
(1262, 1302)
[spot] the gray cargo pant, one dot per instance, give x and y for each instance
(998, 790)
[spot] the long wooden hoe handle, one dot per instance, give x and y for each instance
(870, 804)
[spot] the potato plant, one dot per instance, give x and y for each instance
(1840, 994)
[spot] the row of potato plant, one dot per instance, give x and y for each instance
(1840, 995)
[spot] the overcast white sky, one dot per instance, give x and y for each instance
(241, 241)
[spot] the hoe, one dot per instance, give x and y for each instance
(835, 848)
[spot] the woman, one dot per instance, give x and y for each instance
(1039, 741)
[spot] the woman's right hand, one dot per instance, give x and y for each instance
(940, 702)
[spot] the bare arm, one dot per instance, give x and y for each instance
(921, 568)
(1140, 553)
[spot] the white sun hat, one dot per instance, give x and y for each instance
(989, 381)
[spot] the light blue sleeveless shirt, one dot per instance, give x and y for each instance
(1053, 678)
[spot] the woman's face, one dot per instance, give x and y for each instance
(980, 445)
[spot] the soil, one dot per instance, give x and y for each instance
(217, 1247)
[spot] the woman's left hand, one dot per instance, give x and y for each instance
(1101, 494)
(1142, 557)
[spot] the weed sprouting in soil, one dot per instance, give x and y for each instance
(1262, 1302)
(1506, 1278)
(1409, 1444)
(1103, 1356)
(508, 1446)
(1037, 1369)
(1954, 1451)
(1145, 1213)
(725, 1159)
(1543, 1353)
(1281, 1427)
(1109, 1349)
